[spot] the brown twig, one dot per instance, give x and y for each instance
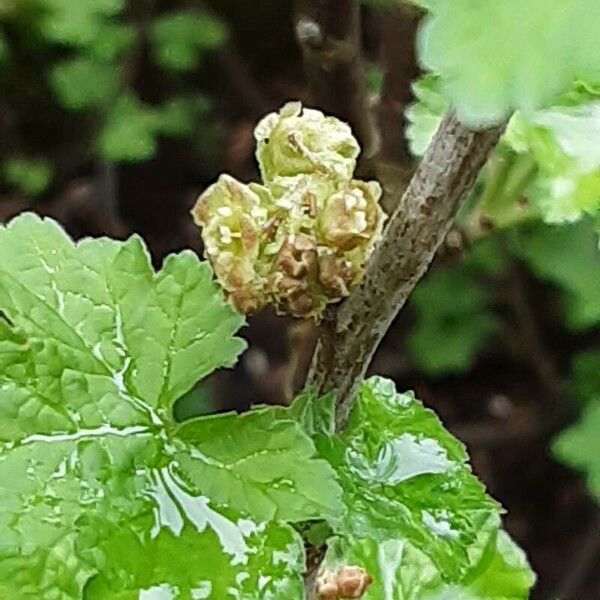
(329, 34)
(417, 227)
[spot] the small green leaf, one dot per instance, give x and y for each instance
(31, 176)
(130, 131)
(404, 477)
(180, 115)
(78, 22)
(82, 83)
(314, 414)
(425, 114)
(179, 39)
(579, 446)
(112, 42)
(545, 157)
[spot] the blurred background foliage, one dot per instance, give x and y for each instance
(115, 115)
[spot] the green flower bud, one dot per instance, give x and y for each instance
(352, 217)
(299, 141)
(232, 216)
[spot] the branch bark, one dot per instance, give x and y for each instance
(349, 338)
(329, 34)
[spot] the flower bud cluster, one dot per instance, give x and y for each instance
(301, 240)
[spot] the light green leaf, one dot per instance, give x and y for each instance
(545, 156)
(112, 42)
(567, 179)
(315, 414)
(425, 114)
(82, 83)
(401, 572)
(179, 116)
(30, 175)
(97, 481)
(232, 556)
(130, 131)
(179, 38)
(261, 464)
(398, 569)
(405, 477)
(497, 57)
(77, 22)
(579, 446)
(506, 576)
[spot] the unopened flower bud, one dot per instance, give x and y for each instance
(232, 216)
(352, 216)
(294, 283)
(326, 586)
(299, 140)
(345, 583)
(353, 582)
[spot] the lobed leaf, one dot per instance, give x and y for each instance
(404, 477)
(579, 446)
(101, 493)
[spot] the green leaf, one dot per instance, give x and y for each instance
(180, 115)
(545, 156)
(492, 59)
(315, 414)
(262, 464)
(398, 569)
(31, 176)
(130, 131)
(112, 42)
(567, 181)
(585, 370)
(401, 572)
(77, 22)
(232, 555)
(180, 38)
(455, 321)
(567, 256)
(404, 477)
(507, 576)
(100, 489)
(579, 446)
(82, 83)
(425, 114)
